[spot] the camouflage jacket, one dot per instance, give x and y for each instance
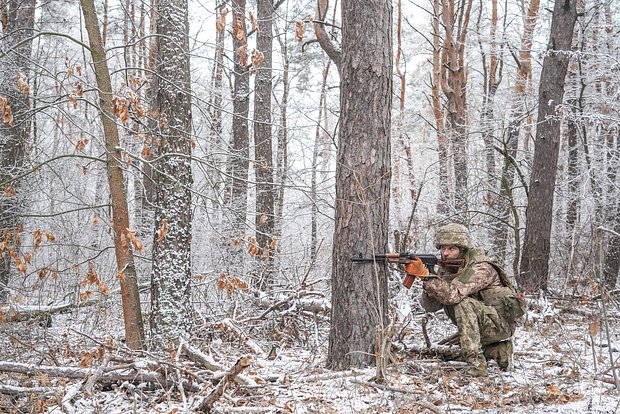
(449, 289)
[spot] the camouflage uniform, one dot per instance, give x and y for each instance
(470, 297)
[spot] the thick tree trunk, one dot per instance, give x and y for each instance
(534, 269)
(172, 265)
(14, 135)
(359, 293)
(132, 313)
(263, 153)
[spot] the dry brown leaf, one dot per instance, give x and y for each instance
(220, 23)
(135, 242)
(299, 31)
(9, 191)
(243, 55)
(238, 31)
(257, 59)
(73, 100)
(594, 328)
(163, 230)
(253, 22)
(7, 114)
(22, 84)
(43, 273)
(87, 360)
(37, 236)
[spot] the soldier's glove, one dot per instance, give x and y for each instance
(416, 268)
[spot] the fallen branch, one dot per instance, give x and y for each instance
(209, 363)
(240, 365)
(11, 390)
(130, 373)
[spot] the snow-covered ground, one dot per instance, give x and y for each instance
(561, 365)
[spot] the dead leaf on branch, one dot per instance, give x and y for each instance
(257, 59)
(22, 83)
(163, 230)
(7, 114)
(253, 22)
(135, 242)
(299, 31)
(9, 191)
(230, 284)
(238, 31)
(50, 236)
(79, 89)
(73, 100)
(120, 109)
(81, 144)
(37, 236)
(243, 55)
(220, 23)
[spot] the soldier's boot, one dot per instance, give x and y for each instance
(501, 352)
(478, 366)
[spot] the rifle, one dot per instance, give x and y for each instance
(429, 260)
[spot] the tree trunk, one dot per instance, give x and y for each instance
(18, 24)
(454, 87)
(132, 313)
(359, 293)
(236, 194)
(505, 204)
(263, 153)
(171, 276)
(534, 269)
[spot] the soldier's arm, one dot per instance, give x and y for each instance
(452, 293)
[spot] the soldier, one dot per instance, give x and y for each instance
(477, 296)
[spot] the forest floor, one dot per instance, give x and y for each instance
(561, 365)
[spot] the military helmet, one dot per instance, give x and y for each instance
(453, 234)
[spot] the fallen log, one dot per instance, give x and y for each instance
(108, 375)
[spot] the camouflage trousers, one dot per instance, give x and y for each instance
(479, 325)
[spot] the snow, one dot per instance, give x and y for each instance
(555, 370)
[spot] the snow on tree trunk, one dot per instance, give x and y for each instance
(171, 275)
(14, 128)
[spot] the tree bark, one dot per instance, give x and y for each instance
(18, 25)
(505, 205)
(132, 313)
(263, 153)
(172, 264)
(534, 269)
(359, 294)
(238, 160)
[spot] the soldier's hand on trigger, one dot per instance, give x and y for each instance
(416, 268)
